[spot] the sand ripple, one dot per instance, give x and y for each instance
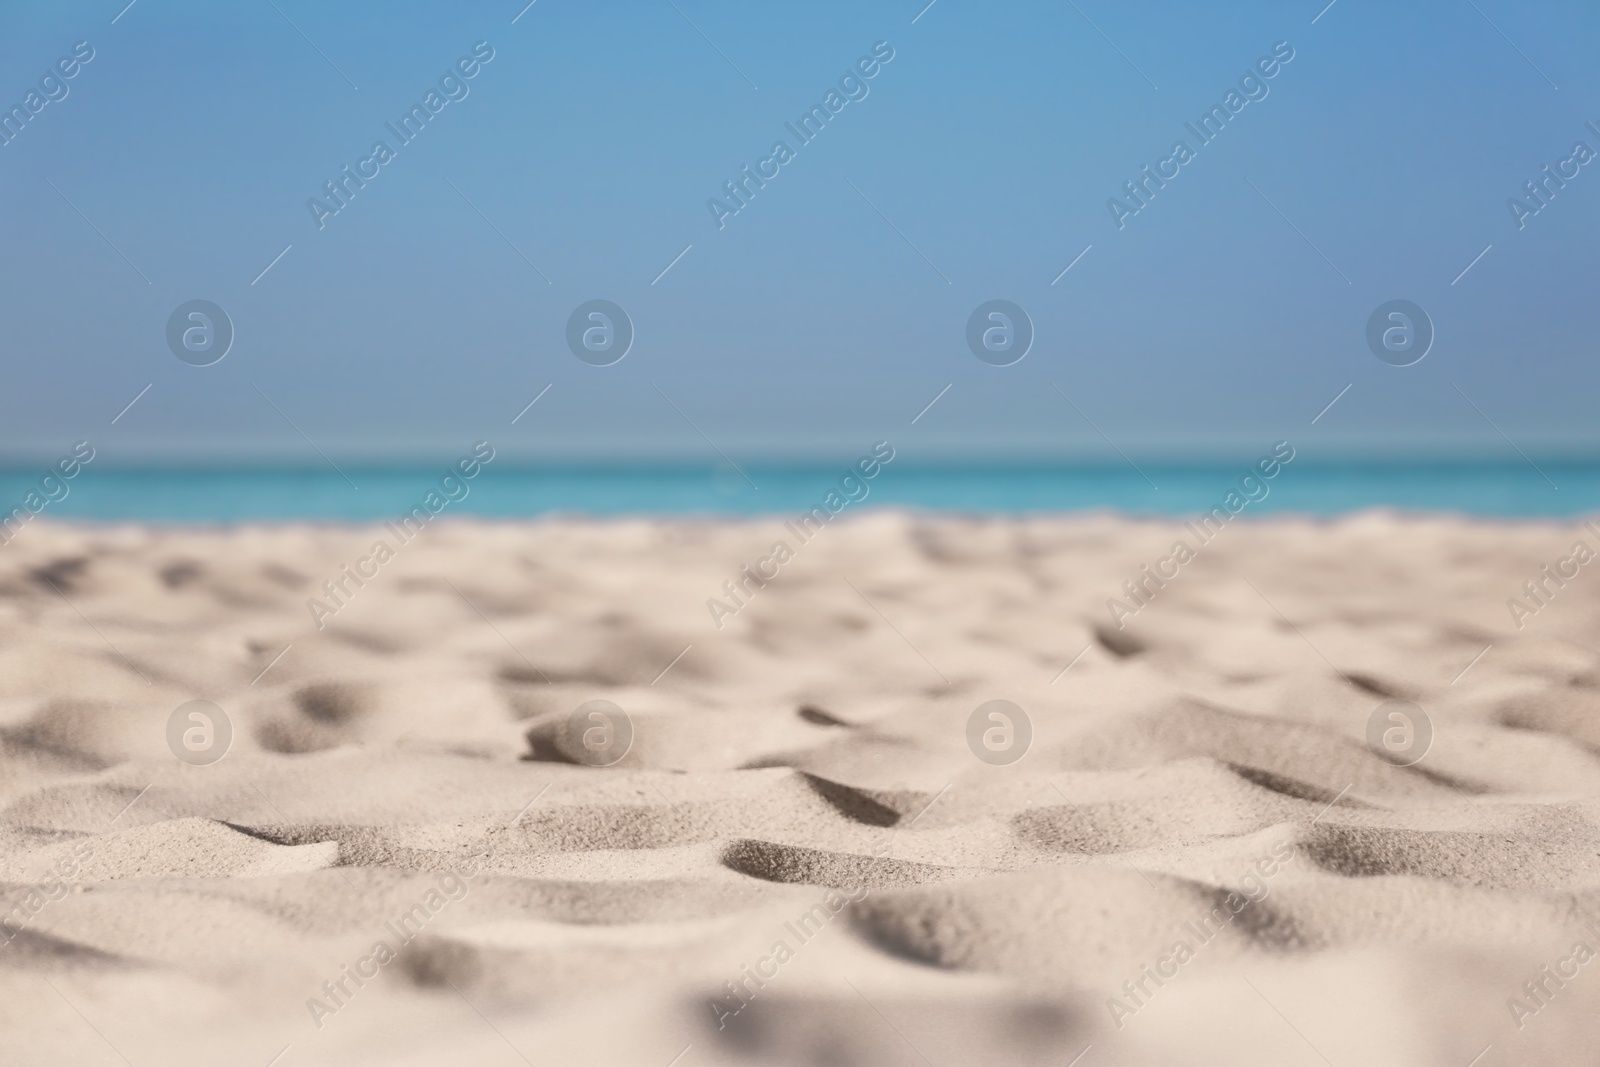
(799, 778)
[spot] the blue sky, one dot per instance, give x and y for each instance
(833, 307)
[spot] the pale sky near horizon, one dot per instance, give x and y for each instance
(976, 164)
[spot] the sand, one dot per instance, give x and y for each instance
(799, 858)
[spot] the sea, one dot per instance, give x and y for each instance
(212, 495)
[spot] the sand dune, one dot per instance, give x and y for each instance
(798, 857)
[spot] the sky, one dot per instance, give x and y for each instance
(976, 164)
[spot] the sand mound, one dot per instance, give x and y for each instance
(1462, 857)
(1074, 927)
(787, 863)
(179, 848)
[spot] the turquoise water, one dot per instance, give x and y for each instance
(503, 491)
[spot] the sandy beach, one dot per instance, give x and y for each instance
(784, 839)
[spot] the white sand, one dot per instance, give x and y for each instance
(812, 750)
